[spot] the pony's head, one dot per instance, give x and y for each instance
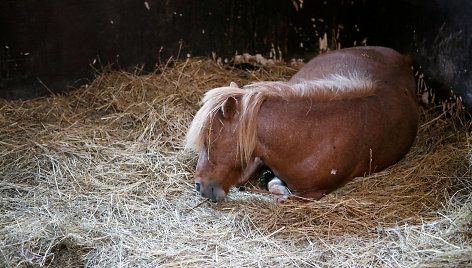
(213, 133)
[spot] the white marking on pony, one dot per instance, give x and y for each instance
(276, 186)
(333, 171)
(250, 97)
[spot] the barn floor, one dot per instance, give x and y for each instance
(98, 178)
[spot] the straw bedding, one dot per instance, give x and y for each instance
(98, 177)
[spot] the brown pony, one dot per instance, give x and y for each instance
(346, 113)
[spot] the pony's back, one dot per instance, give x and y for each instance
(380, 63)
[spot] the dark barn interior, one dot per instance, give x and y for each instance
(50, 46)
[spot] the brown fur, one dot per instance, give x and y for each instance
(346, 113)
(329, 88)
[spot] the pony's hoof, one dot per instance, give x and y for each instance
(281, 199)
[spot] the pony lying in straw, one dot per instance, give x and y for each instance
(346, 113)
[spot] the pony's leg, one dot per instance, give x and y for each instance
(250, 171)
(277, 187)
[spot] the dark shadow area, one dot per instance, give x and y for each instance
(53, 45)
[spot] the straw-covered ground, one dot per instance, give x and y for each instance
(98, 177)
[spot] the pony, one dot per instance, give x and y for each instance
(346, 113)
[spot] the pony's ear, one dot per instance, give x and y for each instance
(233, 84)
(229, 107)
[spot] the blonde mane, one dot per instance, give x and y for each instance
(250, 98)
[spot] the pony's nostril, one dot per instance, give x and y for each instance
(197, 186)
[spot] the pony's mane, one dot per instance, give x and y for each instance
(250, 98)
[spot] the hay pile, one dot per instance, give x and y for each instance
(98, 177)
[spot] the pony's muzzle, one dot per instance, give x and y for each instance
(197, 186)
(211, 190)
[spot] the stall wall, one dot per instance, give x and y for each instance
(52, 45)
